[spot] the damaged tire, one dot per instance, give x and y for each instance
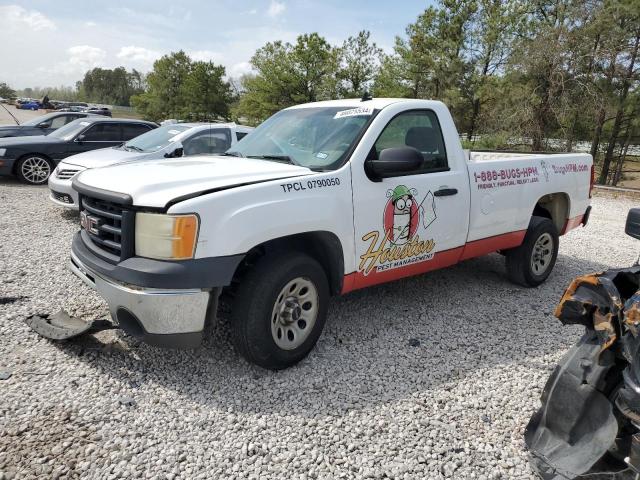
(531, 263)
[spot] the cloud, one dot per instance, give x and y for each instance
(16, 15)
(86, 57)
(90, 24)
(239, 69)
(276, 8)
(138, 55)
(205, 56)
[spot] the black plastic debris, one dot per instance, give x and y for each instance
(61, 326)
(590, 413)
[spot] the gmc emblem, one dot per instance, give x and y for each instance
(89, 223)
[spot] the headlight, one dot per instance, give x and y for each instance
(2, 152)
(166, 237)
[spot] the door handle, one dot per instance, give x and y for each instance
(445, 192)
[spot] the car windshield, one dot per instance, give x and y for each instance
(35, 121)
(318, 138)
(156, 139)
(70, 130)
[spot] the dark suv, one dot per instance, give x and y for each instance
(32, 159)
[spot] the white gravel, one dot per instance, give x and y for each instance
(430, 377)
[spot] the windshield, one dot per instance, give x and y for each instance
(156, 139)
(35, 121)
(70, 130)
(317, 138)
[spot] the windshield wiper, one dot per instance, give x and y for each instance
(232, 154)
(277, 158)
(134, 148)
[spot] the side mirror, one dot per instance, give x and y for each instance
(44, 125)
(393, 162)
(177, 152)
(632, 228)
(80, 138)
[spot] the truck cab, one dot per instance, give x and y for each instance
(320, 200)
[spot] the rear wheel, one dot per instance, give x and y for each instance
(279, 310)
(34, 169)
(532, 262)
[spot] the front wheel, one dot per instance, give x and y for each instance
(532, 262)
(279, 310)
(34, 169)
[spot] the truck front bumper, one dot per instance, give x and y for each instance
(173, 318)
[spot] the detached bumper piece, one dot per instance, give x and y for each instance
(63, 327)
(589, 421)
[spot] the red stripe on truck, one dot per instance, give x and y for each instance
(477, 248)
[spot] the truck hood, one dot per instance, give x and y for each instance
(156, 183)
(102, 158)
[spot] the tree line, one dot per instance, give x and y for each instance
(523, 74)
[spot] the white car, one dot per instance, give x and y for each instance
(168, 141)
(323, 199)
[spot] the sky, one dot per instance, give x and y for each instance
(53, 42)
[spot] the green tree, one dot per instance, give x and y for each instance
(111, 86)
(6, 91)
(207, 95)
(358, 62)
(429, 62)
(288, 74)
(164, 97)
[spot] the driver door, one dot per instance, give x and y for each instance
(416, 221)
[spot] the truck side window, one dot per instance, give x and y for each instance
(418, 129)
(240, 135)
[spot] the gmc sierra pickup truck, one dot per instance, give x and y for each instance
(321, 199)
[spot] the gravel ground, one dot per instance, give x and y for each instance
(429, 377)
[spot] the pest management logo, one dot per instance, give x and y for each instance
(399, 243)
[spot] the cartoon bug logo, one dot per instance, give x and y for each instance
(400, 244)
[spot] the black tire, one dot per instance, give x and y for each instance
(31, 176)
(255, 301)
(519, 260)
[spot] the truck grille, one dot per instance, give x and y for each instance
(67, 173)
(109, 226)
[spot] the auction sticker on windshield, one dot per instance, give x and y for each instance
(354, 112)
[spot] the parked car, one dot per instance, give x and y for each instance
(30, 105)
(98, 111)
(32, 159)
(169, 141)
(323, 199)
(40, 125)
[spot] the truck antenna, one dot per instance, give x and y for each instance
(366, 96)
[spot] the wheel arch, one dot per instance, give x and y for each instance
(554, 206)
(325, 247)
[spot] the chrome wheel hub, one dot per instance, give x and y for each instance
(542, 254)
(294, 313)
(35, 169)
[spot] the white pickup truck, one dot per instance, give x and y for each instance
(321, 199)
